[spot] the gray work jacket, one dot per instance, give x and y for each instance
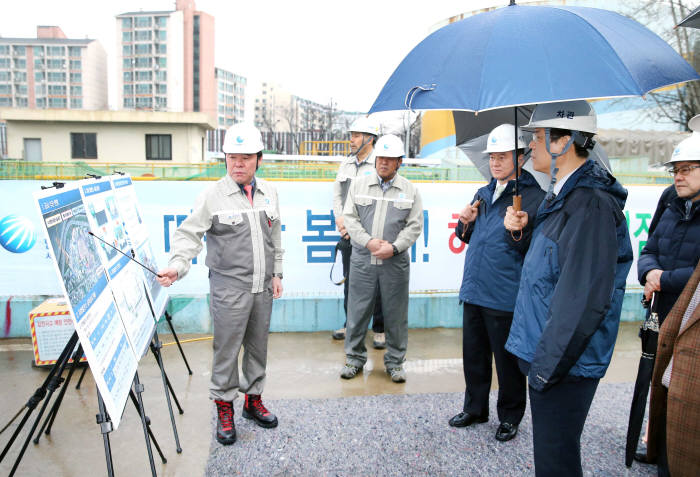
(243, 240)
(348, 170)
(395, 215)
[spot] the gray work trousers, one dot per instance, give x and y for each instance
(392, 277)
(240, 318)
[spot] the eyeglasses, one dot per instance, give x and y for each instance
(683, 170)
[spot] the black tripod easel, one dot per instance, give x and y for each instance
(51, 384)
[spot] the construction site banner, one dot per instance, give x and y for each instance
(308, 235)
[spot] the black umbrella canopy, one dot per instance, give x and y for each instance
(692, 20)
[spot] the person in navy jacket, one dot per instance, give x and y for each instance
(489, 286)
(567, 311)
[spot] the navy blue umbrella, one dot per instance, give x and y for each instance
(520, 55)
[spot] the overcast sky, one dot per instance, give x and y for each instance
(317, 49)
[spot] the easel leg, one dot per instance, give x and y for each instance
(53, 383)
(105, 428)
(40, 393)
(138, 387)
(148, 423)
(48, 422)
(82, 375)
(169, 320)
(155, 349)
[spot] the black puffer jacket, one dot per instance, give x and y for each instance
(673, 247)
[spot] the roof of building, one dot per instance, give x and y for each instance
(41, 41)
(122, 116)
(161, 12)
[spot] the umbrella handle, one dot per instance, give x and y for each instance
(517, 206)
(476, 204)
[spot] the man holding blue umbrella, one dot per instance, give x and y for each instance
(567, 311)
(489, 287)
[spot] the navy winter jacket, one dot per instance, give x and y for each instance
(567, 312)
(673, 247)
(491, 265)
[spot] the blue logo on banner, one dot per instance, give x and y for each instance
(17, 234)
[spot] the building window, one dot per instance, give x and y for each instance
(142, 48)
(144, 75)
(128, 102)
(158, 147)
(20, 76)
(144, 103)
(128, 76)
(20, 63)
(74, 51)
(142, 35)
(161, 48)
(5, 89)
(143, 62)
(76, 77)
(21, 89)
(128, 90)
(19, 50)
(126, 36)
(126, 50)
(76, 103)
(56, 77)
(40, 90)
(40, 102)
(39, 64)
(126, 64)
(142, 21)
(76, 90)
(75, 64)
(161, 75)
(161, 103)
(56, 64)
(4, 63)
(83, 145)
(55, 51)
(4, 49)
(162, 35)
(57, 102)
(161, 21)
(162, 62)
(6, 101)
(4, 76)
(161, 88)
(126, 22)
(57, 89)
(144, 88)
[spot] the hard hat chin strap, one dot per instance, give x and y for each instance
(553, 169)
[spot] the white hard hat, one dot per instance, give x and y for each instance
(501, 139)
(573, 115)
(242, 139)
(694, 123)
(365, 125)
(389, 146)
(687, 150)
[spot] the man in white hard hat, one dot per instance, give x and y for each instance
(360, 162)
(240, 215)
(489, 287)
(384, 217)
(665, 265)
(567, 311)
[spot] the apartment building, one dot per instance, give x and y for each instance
(165, 60)
(278, 110)
(52, 71)
(230, 97)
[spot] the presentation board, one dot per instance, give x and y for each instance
(91, 230)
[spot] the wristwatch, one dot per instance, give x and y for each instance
(278, 275)
(396, 250)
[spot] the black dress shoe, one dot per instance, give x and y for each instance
(225, 428)
(506, 431)
(256, 410)
(464, 419)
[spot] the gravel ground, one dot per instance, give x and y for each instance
(400, 435)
